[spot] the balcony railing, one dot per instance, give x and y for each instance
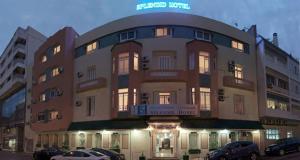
(92, 84)
(164, 109)
(231, 81)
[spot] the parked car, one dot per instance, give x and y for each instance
(83, 154)
(283, 146)
(235, 150)
(46, 154)
(112, 154)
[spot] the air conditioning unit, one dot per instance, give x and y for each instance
(79, 74)
(231, 66)
(78, 103)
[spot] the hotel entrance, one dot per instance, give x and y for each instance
(164, 140)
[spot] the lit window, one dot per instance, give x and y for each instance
(53, 115)
(42, 78)
(43, 97)
(283, 106)
(237, 45)
(130, 35)
(272, 134)
(123, 99)
(201, 35)
(56, 71)
(44, 59)
(204, 63)
(90, 110)
(239, 104)
(271, 104)
(193, 92)
(164, 98)
(92, 73)
(238, 71)
(205, 99)
(160, 32)
(136, 61)
(123, 64)
(134, 97)
(289, 134)
(91, 47)
(56, 50)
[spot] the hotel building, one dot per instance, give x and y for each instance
(160, 84)
(15, 63)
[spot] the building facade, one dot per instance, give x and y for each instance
(156, 86)
(14, 62)
(278, 88)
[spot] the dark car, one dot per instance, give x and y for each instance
(46, 154)
(235, 150)
(283, 146)
(112, 154)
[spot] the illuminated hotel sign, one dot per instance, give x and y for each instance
(156, 4)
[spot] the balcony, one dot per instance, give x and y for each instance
(164, 110)
(17, 81)
(276, 89)
(231, 81)
(165, 76)
(91, 84)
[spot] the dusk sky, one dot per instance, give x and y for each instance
(281, 16)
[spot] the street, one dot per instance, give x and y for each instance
(23, 156)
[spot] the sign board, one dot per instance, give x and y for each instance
(161, 4)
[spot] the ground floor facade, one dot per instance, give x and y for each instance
(11, 138)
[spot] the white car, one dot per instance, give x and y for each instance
(83, 154)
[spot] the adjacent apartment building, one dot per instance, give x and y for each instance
(278, 89)
(160, 84)
(15, 64)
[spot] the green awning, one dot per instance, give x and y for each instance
(220, 124)
(108, 124)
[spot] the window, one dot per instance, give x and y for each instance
(42, 78)
(237, 45)
(277, 104)
(204, 63)
(134, 97)
(90, 106)
(44, 59)
(53, 115)
(41, 116)
(123, 67)
(201, 35)
(92, 73)
(238, 71)
(166, 62)
(193, 93)
(239, 104)
(193, 140)
(56, 50)
(205, 99)
(282, 106)
(91, 47)
(289, 134)
(282, 84)
(43, 97)
(162, 31)
(56, 71)
(115, 140)
(192, 61)
(297, 89)
(270, 80)
(271, 104)
(123, 99)
(136, 62)
(130, 35)
(272, 134)
(164, 98)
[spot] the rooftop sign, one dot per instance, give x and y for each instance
(156, 4)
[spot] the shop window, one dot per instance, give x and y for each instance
(98, 140)
(115, 141)
(91, 47)
(162, 31)
(201, 35)
(213, 140)
(205, 99)
(136, 61)
(123, 67)
(91, 73)
(239, 104)
(66, 140)
(105, 141)
(237, 45)
(123, 99)
(272, 134)
(204, 63)
(90, 111)
(193, 140)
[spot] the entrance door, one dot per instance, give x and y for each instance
(164, 143)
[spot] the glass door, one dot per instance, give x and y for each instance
(164, 143)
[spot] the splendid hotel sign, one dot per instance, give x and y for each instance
(163, 109)
(156, 4)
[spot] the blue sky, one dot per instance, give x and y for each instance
(281, 16)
